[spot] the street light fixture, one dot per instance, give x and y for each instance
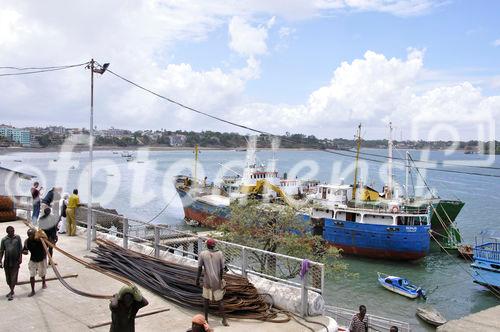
(91, 231)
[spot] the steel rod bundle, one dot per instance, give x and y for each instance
(177, 283)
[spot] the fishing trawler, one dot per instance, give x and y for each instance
(389, 232)
(443, 212)
(208, 205)
(369, 226)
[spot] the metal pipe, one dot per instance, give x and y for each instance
(125, 233)
(90, 234)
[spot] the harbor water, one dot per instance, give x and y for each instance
(141, 188)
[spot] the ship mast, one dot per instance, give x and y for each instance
(358, 138)
(389, 163)
(407, 173)
(195, 164)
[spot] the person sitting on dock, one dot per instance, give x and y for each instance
(212, 261)
(359, 322)
(124, 307)
(73, 203)
(38, 259)
(12, 246)
(199, 324)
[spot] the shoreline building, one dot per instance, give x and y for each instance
(20, 136)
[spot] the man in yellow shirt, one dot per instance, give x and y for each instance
(73, 203)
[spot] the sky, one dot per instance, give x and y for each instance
(319, 67)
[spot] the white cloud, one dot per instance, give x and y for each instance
(496, 42)
(246, 39)
(138, 39)
(285, 32)
(394, 7)
(375, 90)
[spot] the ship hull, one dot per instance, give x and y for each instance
(443, 213)
(377, 241)
(485, 276)
(202, 212)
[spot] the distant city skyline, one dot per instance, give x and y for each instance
(430, 67)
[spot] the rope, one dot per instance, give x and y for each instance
(495, 292)
(159, 213)
(46, 244)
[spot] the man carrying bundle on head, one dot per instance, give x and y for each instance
(212, 262)
(38, 259)
(48, 222)
(124, 307)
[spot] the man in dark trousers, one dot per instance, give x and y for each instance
(38, 259)
(212, 261)
(12, 247)
(124, 307)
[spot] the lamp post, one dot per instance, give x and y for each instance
(91, 231)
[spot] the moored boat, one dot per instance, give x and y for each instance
(387, 232)
(400, 286)
(431, 316)
(486, 264)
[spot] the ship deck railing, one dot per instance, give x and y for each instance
(344, 316)
(488, 251)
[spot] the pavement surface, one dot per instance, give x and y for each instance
(485, 321)
(58, 309)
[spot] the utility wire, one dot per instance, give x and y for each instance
(318, 147)
(423, 161)
(36, 70)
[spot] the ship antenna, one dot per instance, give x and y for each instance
(358, 138)
(389, 163)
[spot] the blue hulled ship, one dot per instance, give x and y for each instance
(388, 231)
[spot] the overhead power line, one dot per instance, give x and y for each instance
(37, 70)
(320, 148)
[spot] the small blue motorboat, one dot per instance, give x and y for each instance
(400, 286)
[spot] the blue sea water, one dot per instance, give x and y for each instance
(141, 190)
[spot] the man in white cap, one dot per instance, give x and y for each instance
(63, 204)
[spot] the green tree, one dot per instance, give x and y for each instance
(277, 228)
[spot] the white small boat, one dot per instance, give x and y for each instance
(431, 316)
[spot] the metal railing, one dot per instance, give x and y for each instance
(343, 317)
(239, 259)
(488, 251)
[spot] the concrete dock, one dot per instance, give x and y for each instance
(58, 309)
(485, 321)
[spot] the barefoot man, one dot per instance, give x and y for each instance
(12, 247)
(212, 261)
(38, 259)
